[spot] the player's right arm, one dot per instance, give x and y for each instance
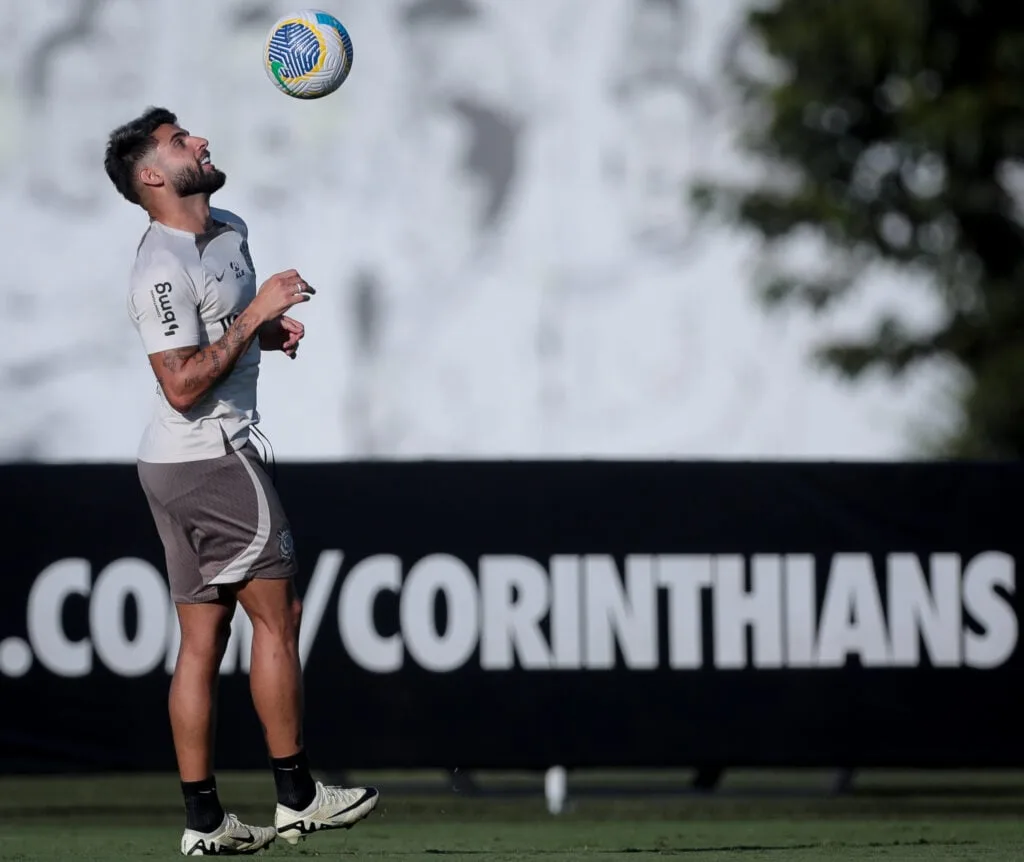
(168, 322)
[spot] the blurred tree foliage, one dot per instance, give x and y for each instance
(897, 127)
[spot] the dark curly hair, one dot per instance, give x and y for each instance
(130, 144)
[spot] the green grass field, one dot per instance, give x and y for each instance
(887, 816)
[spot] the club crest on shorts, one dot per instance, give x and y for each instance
(285, 544)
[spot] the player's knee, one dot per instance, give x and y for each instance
(207, 640)
(281, 621)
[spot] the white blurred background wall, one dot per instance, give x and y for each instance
(493, 209)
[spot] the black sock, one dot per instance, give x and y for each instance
(203, 811)
(295, 786)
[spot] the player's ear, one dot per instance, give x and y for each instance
(150, 176)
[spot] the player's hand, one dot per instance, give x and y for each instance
(295, 332)
(283, 334)
(279, 293)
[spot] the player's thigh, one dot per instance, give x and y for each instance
(267, 592)
(243, 531)
(161, 484)
(224, 522)
(206, 626)
(271, 603)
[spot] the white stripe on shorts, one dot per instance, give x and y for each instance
(238, 568)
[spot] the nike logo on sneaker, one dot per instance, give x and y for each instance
(369, 794)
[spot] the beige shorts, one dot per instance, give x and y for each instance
(220, 521)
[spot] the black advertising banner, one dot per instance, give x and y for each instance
(524, 615)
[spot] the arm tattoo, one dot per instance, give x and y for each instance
(174, 360)
(239, 331)
(199, 370)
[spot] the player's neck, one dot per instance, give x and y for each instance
(191, 214)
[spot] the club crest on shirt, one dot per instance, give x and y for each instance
(285, 544)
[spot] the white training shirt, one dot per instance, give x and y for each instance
(185, 291)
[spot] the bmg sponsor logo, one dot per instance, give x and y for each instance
(161, 294)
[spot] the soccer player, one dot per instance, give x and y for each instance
(204, 325)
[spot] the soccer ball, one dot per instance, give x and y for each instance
(308, 55)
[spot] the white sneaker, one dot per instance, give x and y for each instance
(331, 808)
(229, 839)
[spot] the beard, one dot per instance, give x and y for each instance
(197, 181)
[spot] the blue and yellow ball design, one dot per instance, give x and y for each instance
(308, 54)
